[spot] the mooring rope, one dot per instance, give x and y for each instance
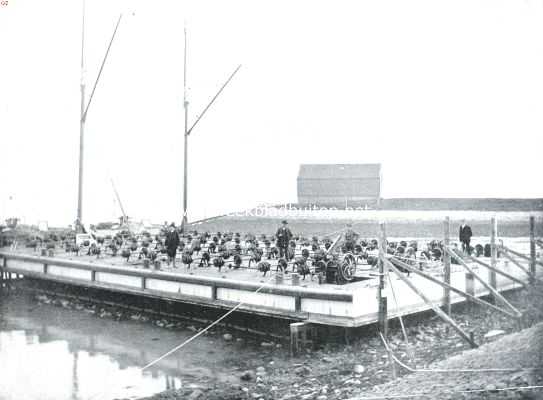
(180, 346)
(195, 336)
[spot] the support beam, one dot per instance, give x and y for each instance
(532, 249)
(469, 296)
(438, 310)
(381, 296)
(494, 292)
(470, 285)
(2, 274)
(497, 270)
(520, 255)
(299, 337)
(447, 267)
(518, 264)
(493, 254)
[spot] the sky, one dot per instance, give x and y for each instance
(447, 95)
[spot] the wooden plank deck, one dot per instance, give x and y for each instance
(350, 305)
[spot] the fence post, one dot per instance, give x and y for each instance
(493, 255)
(470, 283)
(381, 296)
(383, 305)
(532, 249)
(447, 267)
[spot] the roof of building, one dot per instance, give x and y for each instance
(345, 171)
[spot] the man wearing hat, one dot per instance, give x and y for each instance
(465, 235)
(172, 242)
(350, 237)
(283, 235)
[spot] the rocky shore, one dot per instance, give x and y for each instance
(339, 371)
(522, 350)
(348, 371)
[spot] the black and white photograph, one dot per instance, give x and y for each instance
(271, 200)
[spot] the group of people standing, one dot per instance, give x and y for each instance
(284, 236)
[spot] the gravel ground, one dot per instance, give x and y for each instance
(522, 350)
(356, 370)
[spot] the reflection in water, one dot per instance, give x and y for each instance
(52, 353)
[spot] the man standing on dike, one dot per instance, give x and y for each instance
(465, 237)
(172, 242)
(283, 236)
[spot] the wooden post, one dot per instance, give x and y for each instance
(483, 282)
(532, 249)
(438, 310)
(214, 292)
(523, 256)
(2, 274)
(298, 303)
(469, 294)
(518, 264)
(298, 336)
(499, 272)
(381, 295)
(447, 267)
(493, 254)
(470, 284)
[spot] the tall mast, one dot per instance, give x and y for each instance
(188, 129)
(186, 135)
(79, 221)
(85, 109)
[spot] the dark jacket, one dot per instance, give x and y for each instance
(172, 240)
(283, 236)
(350, 235)
(465, 233)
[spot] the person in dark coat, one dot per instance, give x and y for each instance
(465, 235)
(172, 242)
(350, 237)
(283, 235)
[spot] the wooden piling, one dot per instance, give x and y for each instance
(470, 284)
(299, 337)
(532, 250)
(447, 267)
(493, 254)
(381, 294)
(2, 274)
(437, 310)
(382, 297)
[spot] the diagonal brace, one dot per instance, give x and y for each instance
(451, 288)
(508, 250)
(483, 282)
(438, 311)
(498, 271)
(518, 264)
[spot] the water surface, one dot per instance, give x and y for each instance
(49, 352)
